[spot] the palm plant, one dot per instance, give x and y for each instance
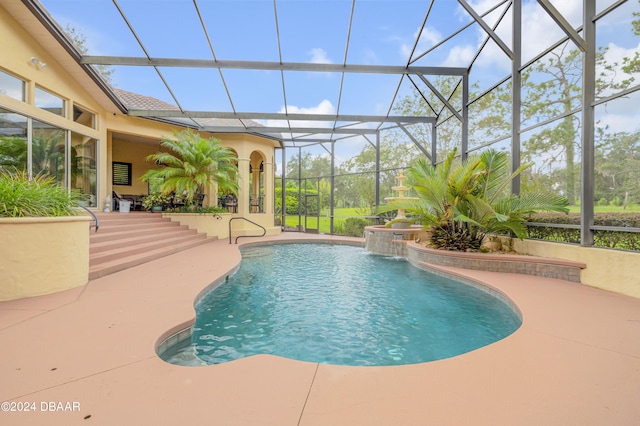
(461, 203)
(192, 164)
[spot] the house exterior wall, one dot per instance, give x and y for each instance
(18, 47)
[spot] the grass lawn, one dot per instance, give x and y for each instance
(340, 215)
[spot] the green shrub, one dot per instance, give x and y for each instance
(354, 227)
(602, 238)
(37, 197)
(616, 201)
(602, 202)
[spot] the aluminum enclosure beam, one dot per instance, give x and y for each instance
(268, 66)
(279, 116)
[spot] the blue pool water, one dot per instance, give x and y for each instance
(341, 305)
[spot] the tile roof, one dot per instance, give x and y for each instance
(135, 101)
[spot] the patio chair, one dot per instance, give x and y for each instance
(117, 198)
(231, 203)
(198, 199)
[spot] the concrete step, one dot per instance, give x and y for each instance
(127, 240)
(112, 233)
(117, 240)
(131, 247)
(103, 269)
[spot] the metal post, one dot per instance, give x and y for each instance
(283, 194)
(434, 144)
(465, 116)
(332, 186)
(588, 123)
(516, 95)
(377, 168)
(299, 188)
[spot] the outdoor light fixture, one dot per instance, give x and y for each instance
(38, 62)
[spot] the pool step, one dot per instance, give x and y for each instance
(127, 240)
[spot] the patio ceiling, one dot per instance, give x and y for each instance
(302, 72)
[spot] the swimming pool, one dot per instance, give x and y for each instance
(338, 304)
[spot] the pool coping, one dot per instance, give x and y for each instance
(574, 360)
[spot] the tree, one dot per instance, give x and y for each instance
(80, 40)
(462, 202)
(618, 167)
(544, 99)
(193, 164)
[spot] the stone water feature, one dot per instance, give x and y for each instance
(391, 241)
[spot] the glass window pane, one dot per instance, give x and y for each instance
(11, 86)
(49, 102)
(13, 141)
(48, 151)
(83, 116)
(84, 175)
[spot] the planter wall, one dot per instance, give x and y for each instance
(43, 255)
(510, 263)
(608, 269)
(218, 225)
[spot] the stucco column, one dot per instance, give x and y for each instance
(243, 186)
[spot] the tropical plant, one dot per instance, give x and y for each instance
(192, 164)
(37, 197)
(155, 199)
(463, 202)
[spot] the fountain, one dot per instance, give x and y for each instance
(391, 239)
(400, 221)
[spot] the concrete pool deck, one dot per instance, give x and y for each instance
(574, 361)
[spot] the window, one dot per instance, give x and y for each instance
(121, 173)
(84, 161)
(48, 151)
(49, 102)
(11, 86)
(84, 116)
(13, 140)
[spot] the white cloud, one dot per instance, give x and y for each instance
(460, 56)
(428, 38)
(614, 56)
(324, 107)
(319, 56)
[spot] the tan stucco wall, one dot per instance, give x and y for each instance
(612, 270)
(17, 48)
(218, 225)
(134, 153)
(43, 255)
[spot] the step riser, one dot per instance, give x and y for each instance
(133, 226)
(124, 252)
(135, 232)
(130, 240)
(98, 272)
(141, 238)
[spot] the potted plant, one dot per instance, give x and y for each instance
(154, 202)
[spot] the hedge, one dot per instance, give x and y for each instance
(609, 239)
